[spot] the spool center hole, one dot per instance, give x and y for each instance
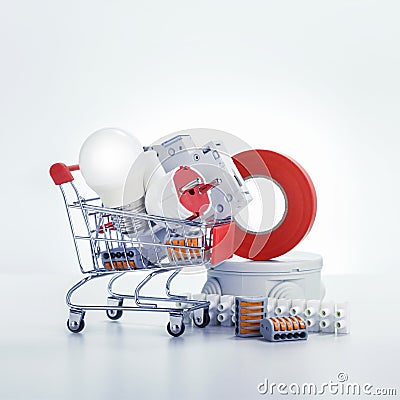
(267, 209)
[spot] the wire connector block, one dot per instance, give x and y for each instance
(281, 329)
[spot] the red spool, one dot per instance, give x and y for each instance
(301, 204)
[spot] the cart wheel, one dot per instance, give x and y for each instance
(175, 330)
(114, 314)
(206, 319)
(74, 327)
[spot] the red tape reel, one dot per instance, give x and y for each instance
(301, 204)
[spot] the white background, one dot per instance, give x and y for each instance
(316, 80)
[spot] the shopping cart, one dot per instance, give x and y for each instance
(120, 241)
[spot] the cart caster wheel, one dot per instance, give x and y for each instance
(114, 314)
(75, 327)
(175, 330)
(206, 319)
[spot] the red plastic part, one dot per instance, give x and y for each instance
(301, 204)
(61, 173)
(107, 226)
(194, 200)
(223, 243)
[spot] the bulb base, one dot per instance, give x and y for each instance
(130, 225)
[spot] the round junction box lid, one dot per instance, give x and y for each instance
(294, 261)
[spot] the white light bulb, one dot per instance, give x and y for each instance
(139, 176)
(105, 160)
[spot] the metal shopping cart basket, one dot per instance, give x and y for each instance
(119, 241)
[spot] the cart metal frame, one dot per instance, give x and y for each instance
(103, 234)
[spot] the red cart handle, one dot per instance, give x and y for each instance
(61, 173)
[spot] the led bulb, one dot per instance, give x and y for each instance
(105, 160)
(144, 167)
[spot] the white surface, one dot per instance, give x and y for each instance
(316, 80)
(135, 358)
(162, 198)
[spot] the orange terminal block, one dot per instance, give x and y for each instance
(276, 329)
(123, 259)
(184, 249)
(249, 313)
